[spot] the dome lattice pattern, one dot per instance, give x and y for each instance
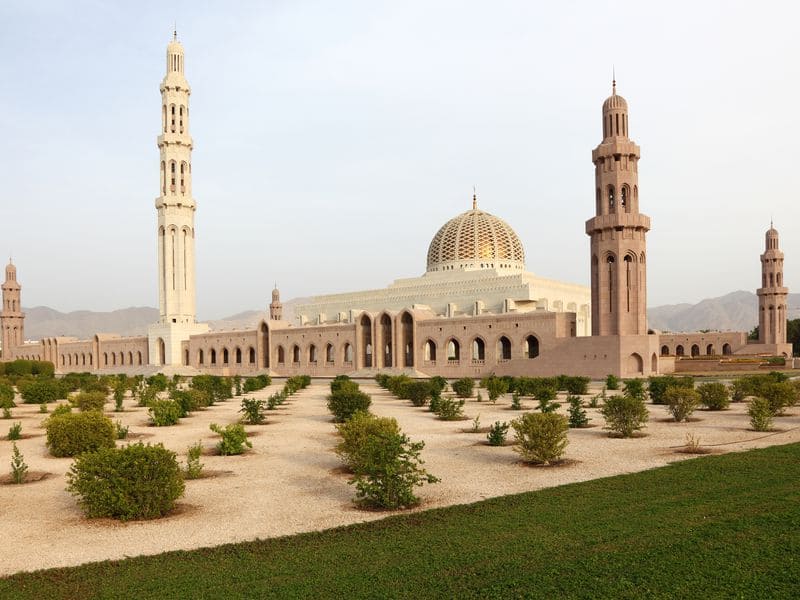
(475, 240)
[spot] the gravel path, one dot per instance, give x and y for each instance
(289, 482)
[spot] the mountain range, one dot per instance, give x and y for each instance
(732, 312)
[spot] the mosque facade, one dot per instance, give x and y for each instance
(475, 310)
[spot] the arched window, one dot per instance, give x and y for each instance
(664, 351)
(312, 354)
(183, 178)
(779, 279)
(281, 357)
(172, 176)
(710, 350)
(172, 118)
(329, 354)
(224, 356)
(91, 360)
(200, 357)
(679, 350)
(296, 354)
(186, 357)
(213, 356)
(366, 340)
(695, 350)
(726, 349)
(238, 356)
(531, 346)
(771, 280)
(114, 359)
(611, 262)
(430, 351)
(181, 119)
(130, 358)
(105, 359)
(599, 202)
(623, 199)
(348, 353)
(504, 348)
(453, 350)
(612, 208)
(478, 350)
(252, 355)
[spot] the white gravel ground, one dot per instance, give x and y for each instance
(289, 482)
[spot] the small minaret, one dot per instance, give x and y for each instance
(12, 319)
(275, 307)
(772, 294)
(618, 230)
(175, 207)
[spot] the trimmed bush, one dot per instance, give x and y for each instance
(164, 413)
(14, 432)
(540, 438)
(158, 381)
(418, 392)
(714, 396)
(635, 389)
(449, 409)
(6, 395)
(346, 403)
(219, 388)
(86, 401)
(779, 395)
(19, 469)
(341, 382)
(74, 433)
(497, 433)
(253, 411)
(355, 431)
(577, 416)
(252, 384)
(194, 468)
(612, 382)
(234, 439)
(42, 390)
(132, 482)
(624, 414)
(23, 368)
(657, 386)
(761, 414)
(389, 470)
(463, 387)
(575, 385)
(495, 387)
(681, 402)
(438, 384)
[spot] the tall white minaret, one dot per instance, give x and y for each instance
(175, 206)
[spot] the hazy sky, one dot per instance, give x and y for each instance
(333, 139)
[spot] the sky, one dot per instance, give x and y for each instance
(333, 139)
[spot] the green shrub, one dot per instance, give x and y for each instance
(62, 408)
(495, 387)
(624, 414)
(253, 411)
(449, 409)
(576, 385)
(657, 386)
(753, 385)
(22, 368)
(345, 403)
(122, 430)
(42, 390)
(7, 412)
(252, 384)
(438, 384)
(612, 382)
(577, 416)
(516, 401)
(194, 468)
(497, 433)
(355, 431)
(234, 439)
(433, 405)
(132, 482)
(237, 385)
(545, 394)
(73, 433)
(760, 413)
(546, 405)
(19, 470)
(43, 408)
(779, 395)
(681, 402)
(635, 389)
(341, 382)
(418, 392)
(540, 438)
(158, 381)
(119, 396)
(86, 401)
(218, 388)
(463, 387)
(714, 396)
(276, 399)
(382, 379)
(14, 432)
(164, 413)
(6, 395)
(389, 469)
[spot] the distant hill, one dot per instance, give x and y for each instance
(733, 312)
(737, 311)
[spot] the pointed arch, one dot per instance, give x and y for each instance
(504, 348)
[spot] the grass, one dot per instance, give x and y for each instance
(711, 527)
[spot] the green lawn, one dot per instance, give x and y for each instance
(719, 526)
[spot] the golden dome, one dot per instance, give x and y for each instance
(476, 240)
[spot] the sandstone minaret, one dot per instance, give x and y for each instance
(12, 319)
(275, 307)
(772, 294)
(618, 230)
(175, 206)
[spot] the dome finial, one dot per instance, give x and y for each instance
(474, 198)
(613, 80)
(175, 31)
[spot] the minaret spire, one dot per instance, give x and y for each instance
(474, 198)
(613, 80)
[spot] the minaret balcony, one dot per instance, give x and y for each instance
(615, 146)
(772, 291)
(616, 220)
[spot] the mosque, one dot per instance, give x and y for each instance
(475, 310)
